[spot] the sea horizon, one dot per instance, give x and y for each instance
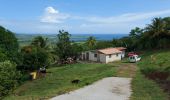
(74, 37)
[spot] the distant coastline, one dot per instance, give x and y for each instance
(74, 37)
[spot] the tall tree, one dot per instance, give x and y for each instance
(167, 21)
(136, 32)
(9, 44)
(157, 28)
(63, 46)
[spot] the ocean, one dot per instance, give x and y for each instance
(100, 37)
(74, 37)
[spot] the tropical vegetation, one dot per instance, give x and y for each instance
(17, 62)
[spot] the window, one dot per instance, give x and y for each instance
(117, 55)
(95, 55)
(110, 56)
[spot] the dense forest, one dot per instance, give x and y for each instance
(17, 62)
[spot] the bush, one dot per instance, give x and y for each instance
(9, 77)
(34, 59)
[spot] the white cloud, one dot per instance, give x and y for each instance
(52, 15)
(128, 17)
(82, 24)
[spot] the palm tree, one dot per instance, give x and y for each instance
(156, 28)
(136, 32)
(91, 42)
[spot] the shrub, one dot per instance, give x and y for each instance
(9, 77)
(34, 59)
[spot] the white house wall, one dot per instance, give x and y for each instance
(91, 56)
(113, 57)
(123, 53)
(102, 58)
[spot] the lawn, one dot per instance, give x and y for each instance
(58, 81)
(145, 88)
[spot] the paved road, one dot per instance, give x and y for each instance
(112, 88)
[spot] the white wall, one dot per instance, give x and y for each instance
(113, 57)
(102, 58)
(123, 53)
(91, 56)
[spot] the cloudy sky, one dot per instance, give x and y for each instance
(80, 16)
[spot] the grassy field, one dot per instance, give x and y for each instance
(58, 81)
(145, 88)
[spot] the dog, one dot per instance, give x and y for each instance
(76, 81)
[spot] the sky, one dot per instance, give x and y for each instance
(80, 16)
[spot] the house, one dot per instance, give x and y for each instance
(104, 55)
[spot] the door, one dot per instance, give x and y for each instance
(87, 56)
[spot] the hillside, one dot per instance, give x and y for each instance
(153, 75)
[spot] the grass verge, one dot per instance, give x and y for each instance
(151, 81)
(145, 89)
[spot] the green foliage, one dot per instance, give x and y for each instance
(136, 32)
(39, 41)
(145, 89)
(103, 44)
(9, 77)
(63, 46)
(155, 66)
(154, 36)
(34, 58)
(3, 56)
(91, 42)
(8, 41)
(76, 49)
(9, 44)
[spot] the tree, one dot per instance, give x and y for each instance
(63, 46)
(167, 21)
(9, 44)
(39, 41)
(136, 32)
(3, 56)
(91, 42)
(103, 44)
(76, 50)
(157, 28)
(9, 78)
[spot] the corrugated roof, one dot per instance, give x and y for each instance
(109, 51)
(120, 48)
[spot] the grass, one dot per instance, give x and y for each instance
(147, 89)
(125, 69)
(58, 81)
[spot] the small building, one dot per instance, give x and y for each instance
(104, 55)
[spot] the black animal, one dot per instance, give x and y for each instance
(76, 81)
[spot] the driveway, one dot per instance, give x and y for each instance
(112, 88)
